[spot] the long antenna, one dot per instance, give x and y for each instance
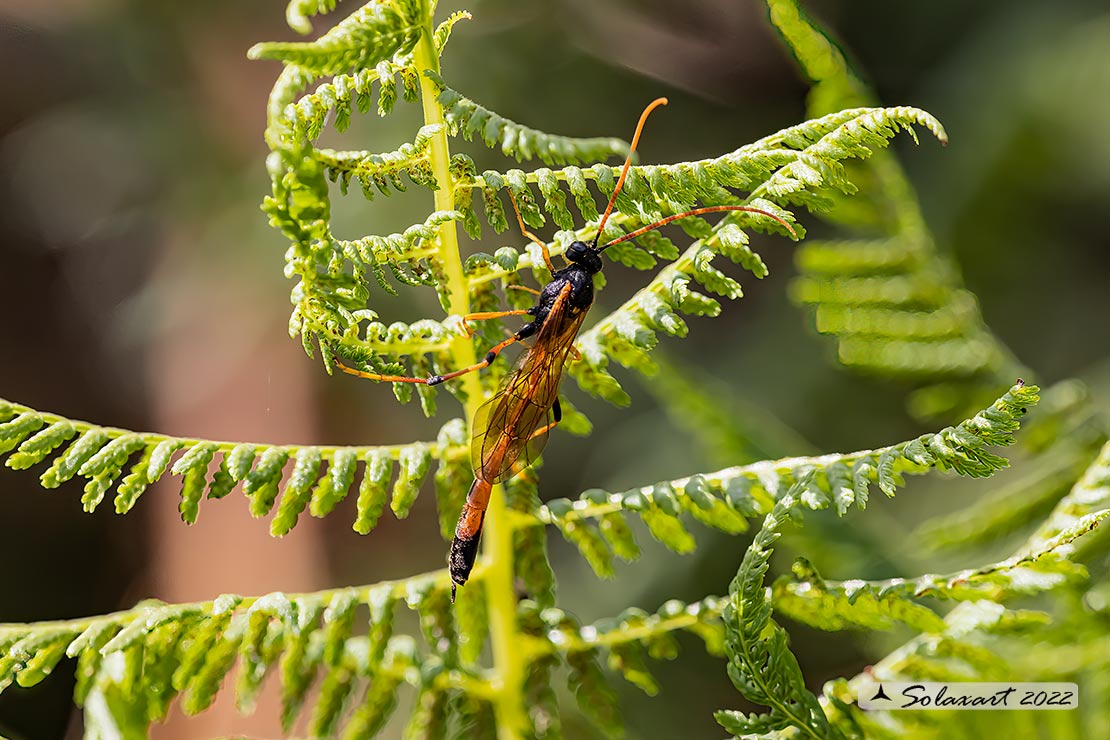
(627, 163)
(698, 212)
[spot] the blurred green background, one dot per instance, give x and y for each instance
(143, 289)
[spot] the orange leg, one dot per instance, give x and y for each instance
(525, 288)
(486, 362)
(487, 315)
(543, 430)
(437, 379)
(541, 244)
(377, 377)
(556, 417)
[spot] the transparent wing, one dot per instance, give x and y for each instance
(505, 427)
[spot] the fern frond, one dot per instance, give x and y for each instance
(1017, 504)
(955, 654)
(625, 640)
(187, 650)
(806, 597)
(981, 639)
(382, 171)
(325, 661)
(320, 478)
(784, 166)
(1090, 497)
(343, 95)
(298, 13)
(760, 663)
(726, 498)
(373, 33)
(468, 118)
(335, 274)
(629, 332)
(895, 304)
(442, 33)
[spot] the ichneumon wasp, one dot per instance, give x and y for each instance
(511, 428)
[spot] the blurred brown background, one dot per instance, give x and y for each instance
(143, 289)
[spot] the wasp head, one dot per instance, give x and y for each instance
(582, 254)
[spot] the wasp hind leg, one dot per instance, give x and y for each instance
(556, 417)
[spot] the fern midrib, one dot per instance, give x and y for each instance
(366, 163)
(509, 668)
(615, 504)
(574, 641)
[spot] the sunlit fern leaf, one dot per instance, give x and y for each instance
(326, 661)
(443, 30)
(955, 654)
(760, 663)
(626, 640)
(298, 13)
(726, 498)
(381, 172)
(470, 119)
(1089, 497)
(304, 120)
(185, 650)
(1016, 505)
(371, 34)
(632, 329)
(806, 597)
(319, 479)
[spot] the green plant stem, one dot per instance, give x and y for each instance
(508, 660)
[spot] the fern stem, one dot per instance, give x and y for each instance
(458, 300)
(509, 668)
(509, 659)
